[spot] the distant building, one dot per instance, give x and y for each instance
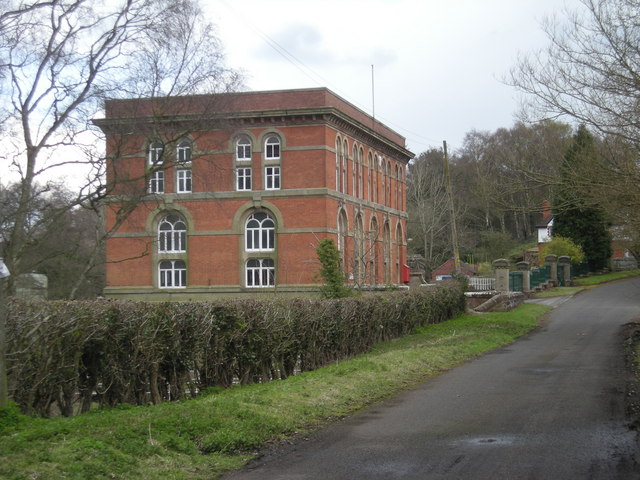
(448, 268)
(544, 228)
(230, 194)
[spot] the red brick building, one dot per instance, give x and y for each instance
(231, 193)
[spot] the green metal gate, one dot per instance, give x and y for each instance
(540, 276)
(516, 281)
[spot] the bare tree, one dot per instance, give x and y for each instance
(428, 206)
(590, 69)
(60, 59)
(590, 72)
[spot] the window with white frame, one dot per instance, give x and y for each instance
(272, 178)
(260, 233)
(183, 152)
(371, 171)
(172, 274)
(360, 173)
(243, 178)
(156, 150)
(156, 182)
(260, 272)
(354, 171)
(345, 157)
(183, 180)
(243, 149)
(338, 159)
(172, 234)
(272, 148)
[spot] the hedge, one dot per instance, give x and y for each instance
(64, 357)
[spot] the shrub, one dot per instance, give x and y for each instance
(65, 357)
(563, 246)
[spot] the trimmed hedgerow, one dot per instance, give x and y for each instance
(66, 356)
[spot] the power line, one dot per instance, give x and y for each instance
(319, 79)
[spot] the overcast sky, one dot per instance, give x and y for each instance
(438, 64)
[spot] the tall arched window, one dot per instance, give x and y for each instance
(371, 172)
(360, 169)
(386, 253)
(183, 177)
(272, 148)
(373, 251)
(156, 171)
(376, 167)
(344, 155)
(387, 174)
(259, 233)
(343, 229)
(354, 172)
(172, 234)
(338, 160)
(359, 252)
(399, 260)
(272, 177)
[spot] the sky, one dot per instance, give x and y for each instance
(438, 65)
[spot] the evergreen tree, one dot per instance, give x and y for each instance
(575, 217)
(331, 270)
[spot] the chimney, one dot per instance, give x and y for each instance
(546, 210)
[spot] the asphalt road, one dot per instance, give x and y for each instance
(549, 406)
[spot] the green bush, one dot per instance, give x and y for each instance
(68, 357)
(563, 246)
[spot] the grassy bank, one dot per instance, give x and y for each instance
(220, 430)
(584, 283)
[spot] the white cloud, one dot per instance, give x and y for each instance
(438, 64)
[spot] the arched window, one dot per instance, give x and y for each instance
(373, 251)
(172, 234)
(172, 274)
(260, 272)
(386, 253)
(272, 148)
(399, 262)
(183, 152)
(345, 158)
(354, 173)
(338, 160)
(360, 179)
(243, 149)
(156, 149)
(359, 252)
(388, 182)
(259, 233)
(343, 229)
(371, 173)
(376, 164)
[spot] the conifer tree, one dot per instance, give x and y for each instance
(575, 216)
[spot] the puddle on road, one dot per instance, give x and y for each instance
(490, 441)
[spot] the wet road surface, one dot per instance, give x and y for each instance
(549, 406)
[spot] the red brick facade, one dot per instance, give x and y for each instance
(230, 194)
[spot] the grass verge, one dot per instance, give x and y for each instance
(605, 277)
(586, 283)
(221, 430)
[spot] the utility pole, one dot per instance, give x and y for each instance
(454, 230)
(4, 384)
